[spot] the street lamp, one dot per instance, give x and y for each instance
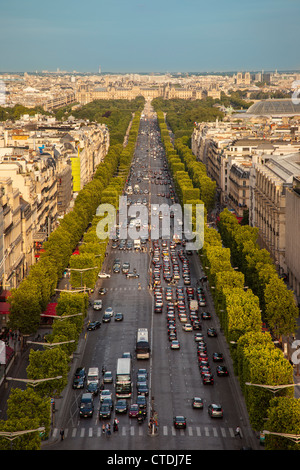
(293, 437)
(272, 388)
(14, 434)
(50, 345)
(32, 382)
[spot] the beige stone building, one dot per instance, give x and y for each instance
(273, 180)
(292, 238)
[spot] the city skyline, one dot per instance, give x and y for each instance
(138, 36)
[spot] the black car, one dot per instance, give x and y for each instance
(121, 406)
(102, 290)
(105, 411)
(93, 387)
(179, 422)
(211, 332)
(118, 316)
(106, 318)
(206, 316)
(142, 402)
(142, 389)
(222, 371)
(93, 325)
(79, 378)
(217, 357)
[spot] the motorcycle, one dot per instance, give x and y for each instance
(140, 418)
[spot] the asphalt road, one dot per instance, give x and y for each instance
(174, 377)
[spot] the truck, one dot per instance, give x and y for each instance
(137, 244)
(93, 375)
(193, 306)
(123, 378)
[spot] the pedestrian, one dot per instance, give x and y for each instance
(62, 434)
(108, 431)
(238, 432)
(115, 427)
(103, 428)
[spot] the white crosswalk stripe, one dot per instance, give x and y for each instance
(131, 430)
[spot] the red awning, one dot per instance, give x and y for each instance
(50, 310)
(4, 308)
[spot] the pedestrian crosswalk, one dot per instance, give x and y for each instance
(191, 431)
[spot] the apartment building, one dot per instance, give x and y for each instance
(292, 238)
(12, 264)
(273, 179)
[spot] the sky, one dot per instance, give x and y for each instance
(132, 36)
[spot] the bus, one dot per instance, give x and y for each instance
(142, 344)
(123, 378)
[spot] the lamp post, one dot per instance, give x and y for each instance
(33, 382)
(12, 435)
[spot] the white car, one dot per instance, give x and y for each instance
(105, 394)
(109, 311)
(103, 275)
(175, 344)
(187, 327)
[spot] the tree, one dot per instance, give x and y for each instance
(280, 307)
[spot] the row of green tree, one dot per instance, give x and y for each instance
(30, 300)
(276, 301)
(256, 359)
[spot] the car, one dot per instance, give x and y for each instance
(106, 318)
(198, 336)
(143, 389)
(102, 291)
(105, 394)
(187, 327)
(118, 316)
(179, 422)
(206, 316)
(222, 371)
(121, 406)
(133, 410)
(93, 387)
(79, 378)
(217, 357)
(105, 411)
(207, 378)
(116, 268)
(97, 305)
(215, 411)
(86, 408)
(93, 325)
(132, 275)
(142, 402)
(108, 401)
(211, 332)
(142, 372)
(109, 311)
(104, 275)
(107, 377)
(125, 267)
(197, 403)
(127, 354)
(175, 344)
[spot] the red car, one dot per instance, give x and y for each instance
(133, 410)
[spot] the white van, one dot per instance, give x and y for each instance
(93, 375)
